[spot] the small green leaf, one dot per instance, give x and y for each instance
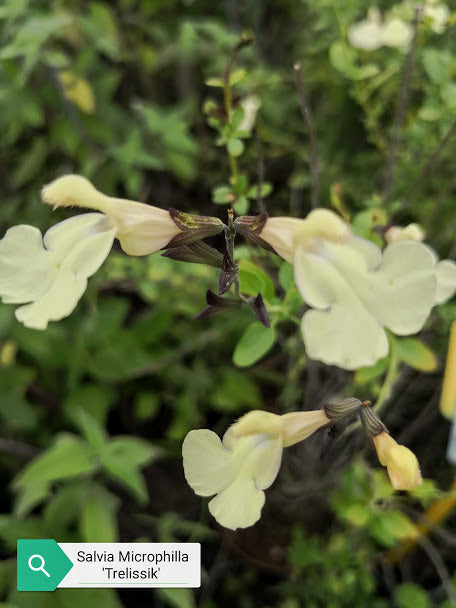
(286, 276)
(265, 190)
(98, 520)
(416, 354)
(223, 195)
(236, 76)
(254, 280)
(147, 405)
(116, 466)
(68, 457)
(91, 429)
(255, 342)
(64, 506)
(357, 514)
(28, 497)
(241, 206)
(437, 64)
(365, 71)
(93, 398)
(409, 594)
(366, 374)
(240, 185)
(426, 492)
(214, 82)
(234, 391)
(430, 112)
(12, 528)
(235, 146)
(342, 58)
(448, 95)
(132, 450)
(390, 526)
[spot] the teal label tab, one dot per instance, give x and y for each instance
(41, 564)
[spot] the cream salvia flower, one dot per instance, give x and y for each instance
(246, 462)
(141, 229)
(353, 289)
(49, 274)
(370, 33)
(437, 13)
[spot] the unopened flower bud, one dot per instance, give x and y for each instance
(402, 464)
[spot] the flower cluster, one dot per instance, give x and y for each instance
(354, 292)
(353, 289)
(238, 468)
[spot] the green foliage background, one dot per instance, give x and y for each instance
(94, 410)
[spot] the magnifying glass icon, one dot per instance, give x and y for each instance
(41, 561)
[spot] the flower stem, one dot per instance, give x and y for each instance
(390, 378)
(229, 110)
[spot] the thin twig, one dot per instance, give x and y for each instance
(439, 565)
(401, 107)
(260, 175)
(305, 111)
(429, 164)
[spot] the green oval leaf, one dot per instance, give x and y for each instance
(416, 354)
(235, 147)
(409, 594)
(254, 280)
(255, 342)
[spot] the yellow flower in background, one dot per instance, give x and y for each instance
(49, 274)
(437, 13)
(448, 397)
(246, 462)
(401, 463)
(371, 33)
(77, 90)
(354, 290)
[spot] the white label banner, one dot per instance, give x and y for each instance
(133, 565)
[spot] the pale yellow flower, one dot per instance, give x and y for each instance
(238, 469)
(353, 289)
(49, 274)
(370, 33)
(401, 463)
(438, 14)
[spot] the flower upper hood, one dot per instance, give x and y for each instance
(141, 229)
